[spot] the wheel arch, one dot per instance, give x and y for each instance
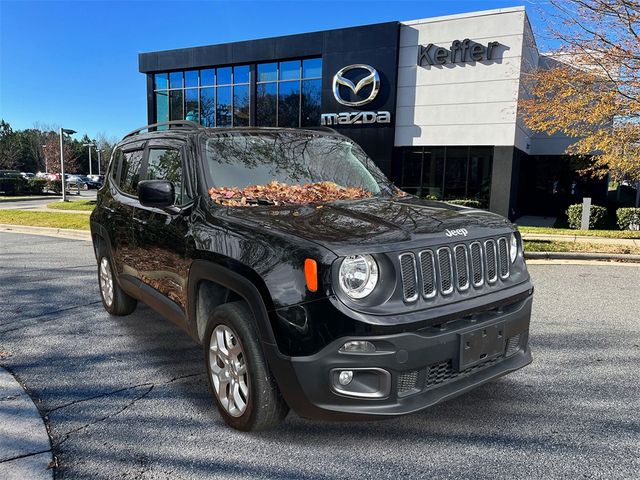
(211, 284)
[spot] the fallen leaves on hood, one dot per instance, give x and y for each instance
(277, 193)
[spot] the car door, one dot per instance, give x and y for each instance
(162, 235)
(119, 203)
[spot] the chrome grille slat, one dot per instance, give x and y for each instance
(409, 276)
(503, 257)
(462, 267)
(477, 267)
(428, 271)
(445, 270)
(491, 260)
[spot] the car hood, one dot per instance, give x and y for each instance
(375, 224)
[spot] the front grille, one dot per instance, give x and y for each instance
(444, 270)
(435, 375)
(409, 277)
(513, 345)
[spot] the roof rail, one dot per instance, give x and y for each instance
(185, 124)
(322, 129)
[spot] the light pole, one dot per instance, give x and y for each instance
(68, 131)
(89, 145)
(44, 153)
(99, 150)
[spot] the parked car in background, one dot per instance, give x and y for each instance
(28, 174)
(83, 182)
(99, 179)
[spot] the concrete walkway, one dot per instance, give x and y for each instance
(25, 449)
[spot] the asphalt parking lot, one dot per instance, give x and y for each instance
(127, 397)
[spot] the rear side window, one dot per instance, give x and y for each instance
(166, 164)
(130, 171)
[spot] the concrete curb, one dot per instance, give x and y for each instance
(629, 242)
(582, 256)
(25, 447)
(48, 232)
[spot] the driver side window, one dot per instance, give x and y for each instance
(166, 164)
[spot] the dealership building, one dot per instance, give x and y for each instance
(434, 101)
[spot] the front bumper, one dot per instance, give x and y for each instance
(423, 367)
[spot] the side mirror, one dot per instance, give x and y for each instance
(156, 193)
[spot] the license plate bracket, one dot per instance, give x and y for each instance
(481, 344)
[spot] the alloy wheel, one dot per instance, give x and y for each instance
(228, 367)
(106, 281)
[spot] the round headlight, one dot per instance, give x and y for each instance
(513, 248)
(358, 275)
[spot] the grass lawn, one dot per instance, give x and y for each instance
(45, 219)
(86, 205)
(558, 246)
(588, 233)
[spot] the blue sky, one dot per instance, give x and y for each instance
(75, 63)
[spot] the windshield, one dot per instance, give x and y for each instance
(238, 160)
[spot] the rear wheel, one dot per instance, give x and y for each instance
(114, 299)
(245, 392)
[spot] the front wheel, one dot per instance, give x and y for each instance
(245, 392)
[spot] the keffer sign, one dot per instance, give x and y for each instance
(363, 91)
(460, 52)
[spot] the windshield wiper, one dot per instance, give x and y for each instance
(260, 201)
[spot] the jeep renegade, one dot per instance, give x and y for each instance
(310, 280)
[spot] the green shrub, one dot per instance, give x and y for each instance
(13, 185)
(596, 220)
(36, 185)
(628, 217)
(431, 197)
(54, 186)
(466, 202)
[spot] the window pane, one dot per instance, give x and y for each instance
(479, 187)
(224, 76)
(311, 90)
(241, 74)
(177, 107)
(208, 106)
(207, 77)
(432, 172)
(166, 164)
(266, 104)
(267, 72)
(175, 80)
(223, 109)
(289, 104)
(455, 176)
(161, 81)
(191, 78)
(130, 172)
(241, 106)
(192, 110)
(312, 68)
(411, 171)
(162, 106)
(290, 70)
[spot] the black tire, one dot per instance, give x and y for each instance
(265, 407)
(121, 303)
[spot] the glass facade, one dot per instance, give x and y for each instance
(287, 94)
(447, 173)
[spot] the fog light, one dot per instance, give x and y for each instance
(358, 346)
(345, 377)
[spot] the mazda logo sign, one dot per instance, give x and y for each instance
(372, 78)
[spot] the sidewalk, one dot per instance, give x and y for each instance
(25, 449)
(629, 242)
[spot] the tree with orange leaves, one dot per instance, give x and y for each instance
(592, 89)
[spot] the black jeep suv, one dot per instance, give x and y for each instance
(311, 281)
